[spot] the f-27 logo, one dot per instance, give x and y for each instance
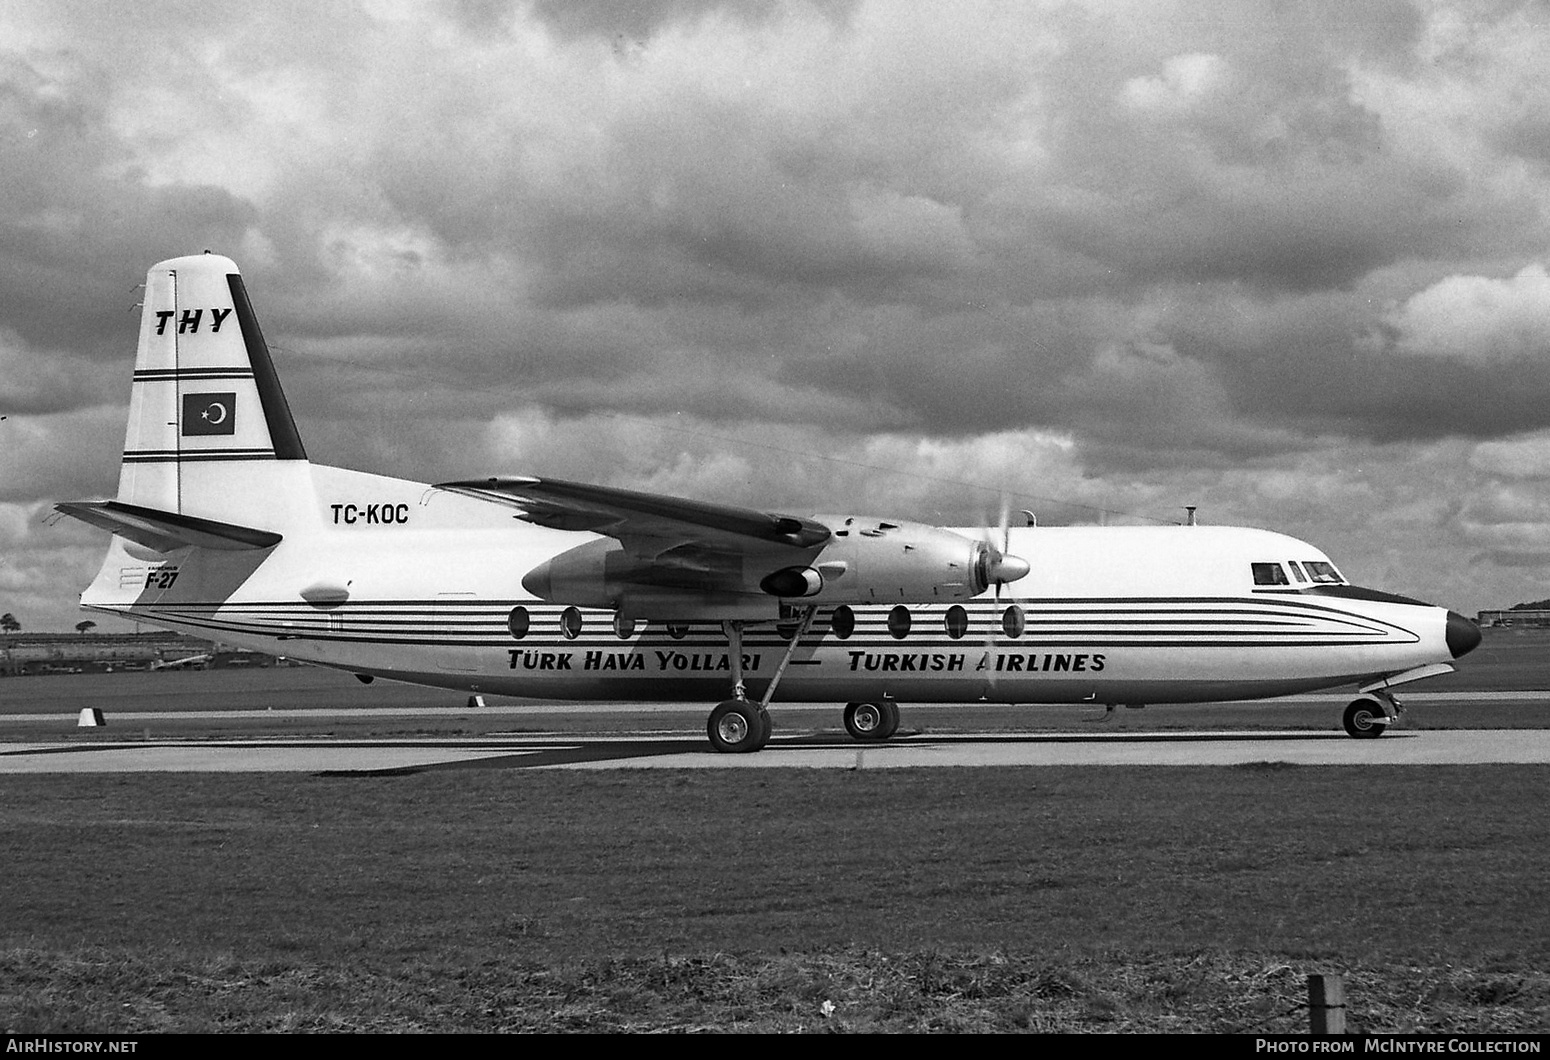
(209, 414)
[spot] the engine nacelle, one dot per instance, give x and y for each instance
(864, 561)
(600, 573)
(871, 560)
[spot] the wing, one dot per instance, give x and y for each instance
(668, 557)
(648, 525)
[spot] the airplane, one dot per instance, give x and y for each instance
(187, 662)
(529, 586)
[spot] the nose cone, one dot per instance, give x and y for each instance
(1463, 636)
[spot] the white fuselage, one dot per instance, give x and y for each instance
(395, 579)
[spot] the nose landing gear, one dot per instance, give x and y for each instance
(1369, 717)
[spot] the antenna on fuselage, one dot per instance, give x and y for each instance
(1190, 508)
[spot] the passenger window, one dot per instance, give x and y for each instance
(570, 623)
(843, 622)
(1269, 574)
(518, 622)
(1012, 623)
(899, 622)
(957, 622)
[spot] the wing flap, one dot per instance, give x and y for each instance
(167, 531)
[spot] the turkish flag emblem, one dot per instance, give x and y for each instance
(209, 414)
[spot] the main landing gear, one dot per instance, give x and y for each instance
(738, 725)
(1367, 718)
(872, 722)
(741, 726)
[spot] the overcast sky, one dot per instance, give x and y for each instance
(1283, 261)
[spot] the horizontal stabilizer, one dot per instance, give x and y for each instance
(166, 531)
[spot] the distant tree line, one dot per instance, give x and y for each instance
(1536, 605)
(10, 624)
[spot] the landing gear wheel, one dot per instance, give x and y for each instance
(872, 722)
(738, 727)
(1365, 719)
(890, 719)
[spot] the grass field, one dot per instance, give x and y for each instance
(1171, 899)
(1146, 899)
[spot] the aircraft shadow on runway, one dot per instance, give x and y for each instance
(584, 751)
(529, 752)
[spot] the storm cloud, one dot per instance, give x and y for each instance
(1287, 262)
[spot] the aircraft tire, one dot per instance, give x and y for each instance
(738, 727)
(1365, 719)
(890, 719)
(870, 722)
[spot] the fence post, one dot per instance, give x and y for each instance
(1326, 1004)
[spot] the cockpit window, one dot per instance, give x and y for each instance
(1323, 573)
(1269, 574)
(1296, 571)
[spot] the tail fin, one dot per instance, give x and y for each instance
(212, 458)
(205, 391)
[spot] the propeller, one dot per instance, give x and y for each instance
(994, 567)
(997, 566)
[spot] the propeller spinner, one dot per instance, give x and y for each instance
(996, 567)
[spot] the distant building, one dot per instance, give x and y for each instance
(23, 654)
(1513, 618)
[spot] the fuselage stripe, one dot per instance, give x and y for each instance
(472, 629)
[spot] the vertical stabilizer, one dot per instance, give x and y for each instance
(205, 394)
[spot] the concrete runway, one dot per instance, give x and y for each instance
(138, 715)
(322, 755)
